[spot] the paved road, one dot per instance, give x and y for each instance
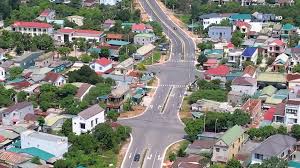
(159, 126)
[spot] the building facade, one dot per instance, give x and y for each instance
(32, 28)
(15, 113)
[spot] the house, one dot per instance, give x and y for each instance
(233, 74)
(240, 17)
(292, 112)
(144, 38)
(276, 48)
(113, 49)
(241, 26)
(249, 71)
(16, 113)
(285, 2)
(141, 28)
(11, 159)
(219, 72)
(281, 63)
(267, 92)
(101, 65)
(210, 105)
(210, 63)
(253, 107)
(109, 2)
(108, 24)
(288, 30)
(220, 33)
(144, 52)
(114, 36)
(27, 59)
(280, 146)
(45, 60)
(244, 85)
(54, 121)
(88, 119)
(234, 56)
(90, 3)
(78, 20)
(200, 146)
(294, 57)
(264, 17)
(117, 98)
(276, 31)
(68, 35)
(267, 78)
(83, 90)
(190, 161)
(249, 54)
(124, 67)
(47, 14)
(55, 79)
(32, 28)
(212, 18)
(228, 145)
(53, 144)
(293, 79)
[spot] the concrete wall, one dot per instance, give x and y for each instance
(88, 123)
(17, 115)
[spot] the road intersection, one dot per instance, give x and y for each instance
(159, 126)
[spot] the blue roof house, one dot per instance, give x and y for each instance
(219, 33)
(240, 17)
(249, 54)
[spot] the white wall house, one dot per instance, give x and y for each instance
(55, 79)
(47, 14)
(212, 18)
(292, 112)
(87, 119)
(109, 2)
(32, 28)
(101, 65)
(68, 35)
(15, 113)
(56, 145)
(2, 74)
(244, 85)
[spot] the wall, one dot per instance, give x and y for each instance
(249, 90)
(88, 127)
(17, 115)
(100, 68)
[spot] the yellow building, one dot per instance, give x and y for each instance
(229, 144)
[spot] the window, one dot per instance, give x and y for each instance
(96, 120)
(291, 111)
(217, 149)
(282, 154)
(92, 123)
(82, 125)
(258, 156)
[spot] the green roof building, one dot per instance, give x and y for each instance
(33, 152)
(240, 17)
(228, 145)
(117, 43)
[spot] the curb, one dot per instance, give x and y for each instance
(129, 146)
(165, 151)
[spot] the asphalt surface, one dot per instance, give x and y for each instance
(159, 126)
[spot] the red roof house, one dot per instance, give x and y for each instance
(102, 65)
(32, 28)
(249, 71)
(141, 28)
(210, 63)
(219, 72)
(55, 79)
(22, 24)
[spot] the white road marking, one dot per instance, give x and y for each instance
(133, 159)
(129, 155)
(158, 157)
(154, 160)
(149, 157)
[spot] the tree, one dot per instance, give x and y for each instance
(141, 67)
(43, 42)
(21, 96)
(205, 45)
(270, 60)
(157, 28)
(64, 51)
(6, 97)
(247, 63)
(127, 105)
(181, 153)
(172, 157)
(67, 90)
(295, 131)
(66, 128)
(193, 128)
(84, 74)
(272, 162)
(105, 135)
(86, 58)
(112, 115)
(105, 52)
(282, 130)
(201, 59)
(296, 68)
(233, 163)
(64, 164)
(36, 160)
(259, 59)
(240, 117)
(15, 72)
(237, 38)
(41, 122)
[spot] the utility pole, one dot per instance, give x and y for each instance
(216, 125)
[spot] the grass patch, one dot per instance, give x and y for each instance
(185, 107)
(175, 148)
(148, 61)
(185, 18)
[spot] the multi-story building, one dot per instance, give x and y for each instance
(117, 98)
(88, 119)
(102, 65)
(244, 85)
(292, 112)
(280, 146)
(228, 145)
(32, 28)
(109, 2)
(220, 33)
(55, 145)
(212, 18)
(144, 38)
(276, 48)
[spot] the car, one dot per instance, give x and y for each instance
(175, 28)
(137, 157)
